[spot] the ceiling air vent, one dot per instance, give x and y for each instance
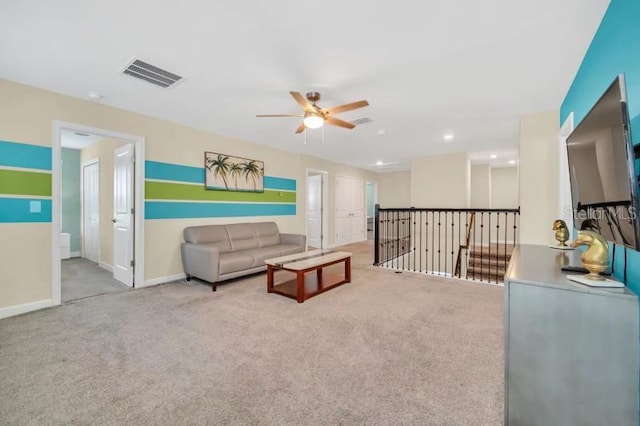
(361, 121)
(151, 74)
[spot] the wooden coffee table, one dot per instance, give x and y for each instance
(306, 285)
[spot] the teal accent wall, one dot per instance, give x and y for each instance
(615, 49)
(71, 195)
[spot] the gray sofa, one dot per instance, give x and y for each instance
(216, 253)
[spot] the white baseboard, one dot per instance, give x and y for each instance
(162, 280)
(106, 266)
(11, 311)
(76, 254)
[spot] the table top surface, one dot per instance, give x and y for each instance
(308, 259)
(540, 265)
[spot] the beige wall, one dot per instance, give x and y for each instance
(394, 189)
(538, 176)
(27, 115)
(441, 181)
(480, 186)
(103, 151)
(504, 187)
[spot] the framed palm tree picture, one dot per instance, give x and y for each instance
(227, 173)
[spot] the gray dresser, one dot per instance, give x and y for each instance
(571, 351)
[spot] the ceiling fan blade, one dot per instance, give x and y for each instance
(347, 107)
(300, 128)
(340, 123)
(279, 115)
(302, 102)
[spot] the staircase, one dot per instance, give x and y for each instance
(488, 263)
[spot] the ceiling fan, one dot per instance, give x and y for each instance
(315, 116)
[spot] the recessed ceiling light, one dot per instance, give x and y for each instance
(448, 137)
(382, 131)
(512, 162)
(493, 156)
(379, 163)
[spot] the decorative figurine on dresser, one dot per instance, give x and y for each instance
(595, 259)
(562, 233)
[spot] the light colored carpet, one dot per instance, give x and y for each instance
(385, 349)
(82, 278)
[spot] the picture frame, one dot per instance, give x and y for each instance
(225, 172)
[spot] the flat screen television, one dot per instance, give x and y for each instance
(604, 186)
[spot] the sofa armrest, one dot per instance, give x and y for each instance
(297, 239)
(201, 261)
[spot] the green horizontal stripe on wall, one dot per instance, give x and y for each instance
(19, 182)
(177, 191)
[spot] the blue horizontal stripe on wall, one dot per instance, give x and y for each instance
(174, 172)
(19, 210)
(186, 210)
(13, 154)
(179, 173)
(271, 182)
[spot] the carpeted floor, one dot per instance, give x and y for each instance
(385, 349)
(82, 278)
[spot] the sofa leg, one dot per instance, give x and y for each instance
(188, 277)
(213, 286)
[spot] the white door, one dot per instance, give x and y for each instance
(314, 211)
(91, 211)
(349, 210)
(123, 214)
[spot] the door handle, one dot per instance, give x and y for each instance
(114, 220)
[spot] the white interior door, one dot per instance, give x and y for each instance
(314, 211)
(349, 210)
(91, 211)
(123, 214)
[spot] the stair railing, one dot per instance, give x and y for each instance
(473, 244)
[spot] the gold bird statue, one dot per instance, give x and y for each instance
(596, 258)
(562, 232)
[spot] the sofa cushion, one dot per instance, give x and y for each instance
(286, 249)
(242, 236)
(261, 254)
(215, 235)
(234, 261)
(268, 234)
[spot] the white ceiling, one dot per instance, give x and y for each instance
(77, 140)
(466, 67)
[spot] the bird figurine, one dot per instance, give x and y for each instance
(562, 232)
(596, 258)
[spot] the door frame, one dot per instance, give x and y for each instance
(82, 233)
(325, 204)
(56, 175)
(375, 201)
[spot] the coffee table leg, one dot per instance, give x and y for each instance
(269, 278)
(347, 269)
(300, 286)
(319, 275)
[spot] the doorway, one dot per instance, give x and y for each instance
(316, 208)
(98, 215)
(371, 194)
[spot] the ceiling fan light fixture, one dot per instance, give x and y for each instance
(313, 120)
